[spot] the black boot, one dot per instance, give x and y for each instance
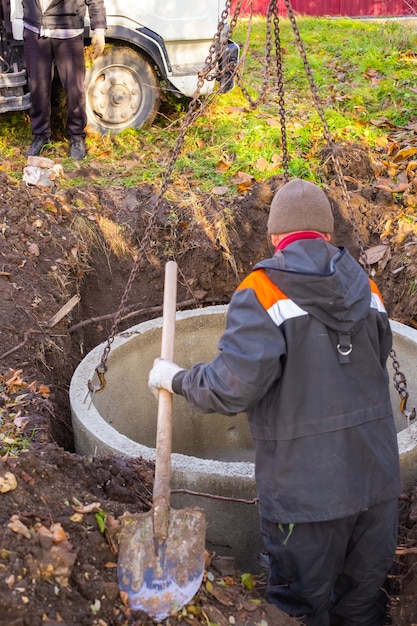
(77, 149)
(36, 146)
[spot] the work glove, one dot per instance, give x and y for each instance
(161, 375)
(98, 42)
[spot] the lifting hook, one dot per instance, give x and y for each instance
(409, 415)
(100, 371)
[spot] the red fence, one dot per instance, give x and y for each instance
(353, 8)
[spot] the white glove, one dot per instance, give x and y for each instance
(161, 375)
(98, 41)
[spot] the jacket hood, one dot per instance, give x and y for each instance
(323, 280)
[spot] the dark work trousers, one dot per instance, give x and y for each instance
(41, 54)
(331, 573)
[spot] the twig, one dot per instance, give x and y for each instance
(63, 311)
(215, 497)
(152, 309)
(21, 344)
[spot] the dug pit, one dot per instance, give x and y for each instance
(212, 460)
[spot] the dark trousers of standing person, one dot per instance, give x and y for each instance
(42, 54)
(332, 573)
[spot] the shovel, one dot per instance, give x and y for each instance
(161, 552)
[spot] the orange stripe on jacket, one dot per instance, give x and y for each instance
(269, 294)
(377, 301)
(266, 292)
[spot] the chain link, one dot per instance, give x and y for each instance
(272, 23)
(328, 136)
(280, 89)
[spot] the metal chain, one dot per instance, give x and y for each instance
(327, 135)
(267, 65)
(280, 88)
(400, 382)
(272, 18)
(191, 115)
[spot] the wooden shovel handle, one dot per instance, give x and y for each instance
(161, 488)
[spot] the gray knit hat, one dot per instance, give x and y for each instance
(300, 205)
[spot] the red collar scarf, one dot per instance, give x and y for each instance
(304, 234)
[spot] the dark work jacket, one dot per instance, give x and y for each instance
(65, 14)
(304, 353)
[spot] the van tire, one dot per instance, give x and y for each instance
(122, 91)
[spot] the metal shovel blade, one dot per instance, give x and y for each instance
(161, 578)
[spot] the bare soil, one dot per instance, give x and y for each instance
(57, 554)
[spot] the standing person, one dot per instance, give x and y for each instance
(304, 353)
(54, 36)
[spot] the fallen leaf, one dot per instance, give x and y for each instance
(86, 508)
(405, 153)
(232, 109)
(215, 616)
(375, 254)
(370, 73)
(21, 422)
(220, 191)
(10, 580)
(247, 605)
(58, 533)
(262, 164)
(18, 527)
(411, 166)
(223, 165)
(8, 482)
(221, 595)
(33, 248)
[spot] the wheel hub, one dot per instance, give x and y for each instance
(116, 95)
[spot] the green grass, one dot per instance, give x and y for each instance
(364, 71)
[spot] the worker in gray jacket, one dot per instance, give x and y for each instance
(53, 36)
(304, 354)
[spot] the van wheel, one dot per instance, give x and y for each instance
(122, 91)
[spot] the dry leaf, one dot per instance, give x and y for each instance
(86, 508)
(262, 164)
(273, 121)
(404, 153)
(375, 254)
(220, 191)
(411, 166)
(223, 165)
(10, 580)
(8, 482)
(371, 73)
(220, 594)
(21, 422)
(18, 527)
(58, 533)
(33, 248)
(232, 109)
